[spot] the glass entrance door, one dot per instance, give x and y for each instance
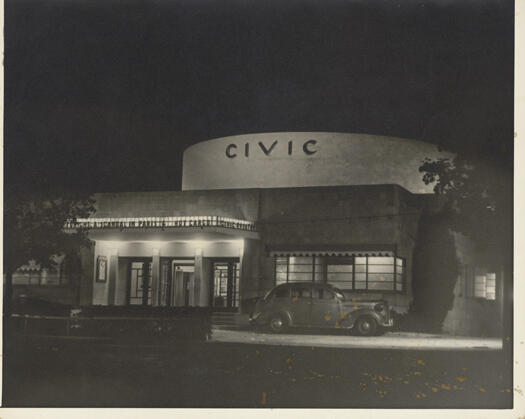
(226, 284)
(182, 288)
(139, 283)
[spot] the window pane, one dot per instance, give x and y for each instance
(399, 286)
(360, 260)
(339, 278)
(339, 268)
(380, 277)
(281, 276)
(300, 292)
(491, 286)
(300, 268)
(295, 260)
(322, 294)
(377, 260)
(281, 260)
(360, 277)
(380, 285)
(294, 277)
(281, 268)
(480, 286)
(282, 292)
(360, 285)
(360, 268)
(342, 285)
(320, 277)
(381, 268)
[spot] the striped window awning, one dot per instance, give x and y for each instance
(330, 252)
(30, 267)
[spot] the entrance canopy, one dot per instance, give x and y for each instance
(166, 228)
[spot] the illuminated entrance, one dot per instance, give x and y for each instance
(177, 280)
(139, 283)
(226, 283)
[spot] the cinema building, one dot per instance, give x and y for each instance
(263, 209)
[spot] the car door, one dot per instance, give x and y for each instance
(300, 304)
(325, 309)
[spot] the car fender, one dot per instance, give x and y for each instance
(349, 320)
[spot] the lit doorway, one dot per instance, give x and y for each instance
(225, 284)
(139, 283)
(177, 278)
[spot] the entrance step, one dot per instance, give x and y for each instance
(224, 320)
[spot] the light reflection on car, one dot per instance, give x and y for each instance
(319, 305)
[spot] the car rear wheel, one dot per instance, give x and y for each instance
(366, 326)
(278, 323)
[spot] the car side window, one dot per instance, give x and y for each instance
(322, 294)
(282, 292)
(301, 291)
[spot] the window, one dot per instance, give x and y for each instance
(301, 291)
(322, 294)
(33, 274)
(283, 292)
(485, 286)
(367, 273)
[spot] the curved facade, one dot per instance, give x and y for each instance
(299, 159)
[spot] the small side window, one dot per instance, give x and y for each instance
(322, 294)
(301, 292)
(283, 292)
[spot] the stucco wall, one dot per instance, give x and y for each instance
(356, 217)
(359, 217)
(470, 315)
(241, 204)
(299, 159)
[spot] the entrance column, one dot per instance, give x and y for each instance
(155, 277)
(112, 276)
(201, 281)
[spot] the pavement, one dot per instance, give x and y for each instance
(390, 340)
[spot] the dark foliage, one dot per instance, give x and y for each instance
(435, 271)
(117, 323)
(34, 230)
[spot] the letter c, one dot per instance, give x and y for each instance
(229, 152)
(307, 149)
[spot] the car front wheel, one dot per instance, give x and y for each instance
(278, 323)
(366, 326)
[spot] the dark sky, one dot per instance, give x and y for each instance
(105, 95)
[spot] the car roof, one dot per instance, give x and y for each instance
(292, 284)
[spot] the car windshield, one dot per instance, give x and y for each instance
(267, 294)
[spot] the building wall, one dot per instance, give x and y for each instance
(305, 159)
(87, 260)
(62, 294)
(470, 315)
(241, 204)
(119, 254)
(356, 217)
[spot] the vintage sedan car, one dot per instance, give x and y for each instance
(318, 305)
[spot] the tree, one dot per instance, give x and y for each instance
(476, 186)
(34, 230)
(477, 202)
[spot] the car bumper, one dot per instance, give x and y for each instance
(388, 323)
(254, 319)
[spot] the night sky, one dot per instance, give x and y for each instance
(105, 95)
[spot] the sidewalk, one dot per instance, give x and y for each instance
(391, 340)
